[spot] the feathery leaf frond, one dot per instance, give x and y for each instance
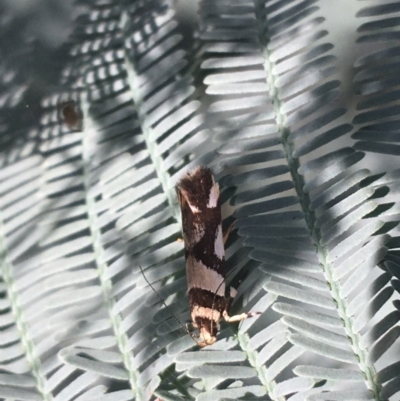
(88, 202)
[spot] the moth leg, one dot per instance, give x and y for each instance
(238, 318)
(235, 318)
(190, 325)
(228, 231)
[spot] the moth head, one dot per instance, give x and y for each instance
(206, 337)
(208, 330)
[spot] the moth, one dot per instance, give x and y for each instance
(198, 196)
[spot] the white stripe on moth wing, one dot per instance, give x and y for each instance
(214, 196)
(199, 276)
(194, 209)
(207, 313)
(183, 197)
(219, 243)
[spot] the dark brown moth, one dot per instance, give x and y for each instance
(198, 196)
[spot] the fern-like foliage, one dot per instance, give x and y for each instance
(88, 203)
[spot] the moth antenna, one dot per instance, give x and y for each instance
(168, 308)
(215, 296)
(213, 303)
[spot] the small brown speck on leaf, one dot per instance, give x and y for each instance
(72, 115)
